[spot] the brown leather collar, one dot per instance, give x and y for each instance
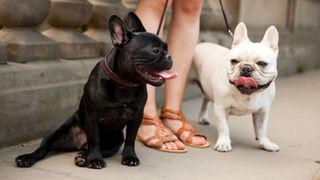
(115, 77)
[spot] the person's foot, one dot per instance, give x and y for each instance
(176, 121)
(154, 134)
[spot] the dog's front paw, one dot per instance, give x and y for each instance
(266, 144)
(223, 144)
(93, 160)
(96, 163)
(25, 160)
(130, 160)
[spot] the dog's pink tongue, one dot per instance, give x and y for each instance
(247, 82)
(166, 75)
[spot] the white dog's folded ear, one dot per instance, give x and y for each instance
(271, 38)
(240, 34)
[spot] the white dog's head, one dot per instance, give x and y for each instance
(253, 66)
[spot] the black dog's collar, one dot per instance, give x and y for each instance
(115, 77)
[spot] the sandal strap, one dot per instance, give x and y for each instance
(160, 139)
(170, 114)
(150, 120)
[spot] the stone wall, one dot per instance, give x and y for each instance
(48, 48)
(298, 22)
(45, 58)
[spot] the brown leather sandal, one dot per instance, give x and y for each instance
(158, 138)
(170, 114)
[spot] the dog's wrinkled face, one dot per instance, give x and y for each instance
(145, 55)
(253, 66)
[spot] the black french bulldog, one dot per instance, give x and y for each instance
(114, 97)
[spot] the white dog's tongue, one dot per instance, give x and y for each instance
(247, 82)
(166, 75)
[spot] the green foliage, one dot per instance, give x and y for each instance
(301, 68)
(84, 28)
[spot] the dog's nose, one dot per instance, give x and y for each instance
(246, 70)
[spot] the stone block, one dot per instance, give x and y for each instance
(66, 18)
(307, 15)
(262, 13)
(26, 44)
(98, 22)
(73, 44)
(3, 53)
(213, 18)
(37, 97)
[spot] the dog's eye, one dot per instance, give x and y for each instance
(262, 63)
(234, 61)
(155, 51)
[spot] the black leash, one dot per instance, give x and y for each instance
(228, 29)
(162, 17)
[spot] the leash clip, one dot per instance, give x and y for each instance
(225, 19)
(230, 32)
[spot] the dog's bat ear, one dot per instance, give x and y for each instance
(134, 23)
(118, 31)
(240, 34)
(271, 38)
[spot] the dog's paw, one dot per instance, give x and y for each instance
(81, 159)
(93, 161)
(25, 160)
(266, 144)
(223, 145)
(130, 160)
(203, 121)
(96, 163)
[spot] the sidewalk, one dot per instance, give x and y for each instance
(294, 126)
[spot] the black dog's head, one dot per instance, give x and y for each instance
(142, 57)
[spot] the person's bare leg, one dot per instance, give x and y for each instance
(150, 13)
(182, 39)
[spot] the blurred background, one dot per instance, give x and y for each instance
(48, 48)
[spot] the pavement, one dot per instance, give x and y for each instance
(294, 125)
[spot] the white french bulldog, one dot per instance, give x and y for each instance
(239, 81)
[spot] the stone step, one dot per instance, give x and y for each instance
(38, 96)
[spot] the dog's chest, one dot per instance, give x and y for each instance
(243, 106)
(239, 111)
(120, 106)
(124, 112)
(118, 117)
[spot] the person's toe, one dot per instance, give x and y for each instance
(163, 146)
(198, 140)
(169, 146)
(180, 145)
(174, 146)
